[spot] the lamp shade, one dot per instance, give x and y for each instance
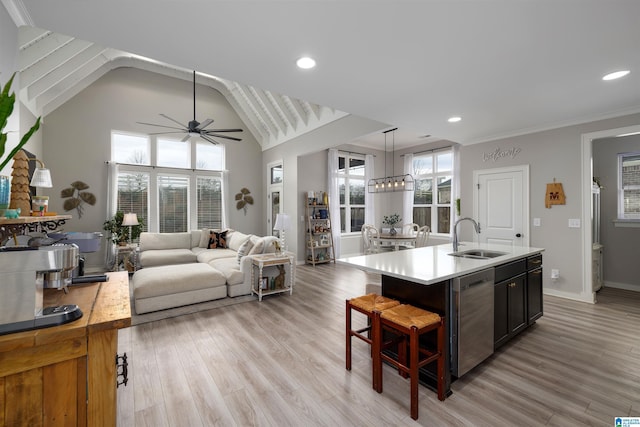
(41, 178)
(130, 219)
(283, 222)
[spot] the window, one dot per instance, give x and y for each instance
(351, 186)
(432, 196)
(629, 186)
(171, 196)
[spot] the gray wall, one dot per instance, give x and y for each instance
(549, 154)
(77, 140)
(621, 245)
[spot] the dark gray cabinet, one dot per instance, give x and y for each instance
(534, 288)
(517, 297)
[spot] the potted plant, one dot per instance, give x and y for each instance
(119, 234)
(391, 221)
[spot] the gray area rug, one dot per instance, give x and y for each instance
(138, 319)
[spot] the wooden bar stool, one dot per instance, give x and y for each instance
(411, 322)
(365, 304)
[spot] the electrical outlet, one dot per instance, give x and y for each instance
(555, 273)
(574, 222)
(536, 222)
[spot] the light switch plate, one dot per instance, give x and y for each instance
(536, 222)
(574, 222)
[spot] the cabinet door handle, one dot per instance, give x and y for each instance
(512, 284)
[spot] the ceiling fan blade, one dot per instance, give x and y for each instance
(205, 124)
(173, 120)
(162, 126)
(165, 133)
(222, 136)
(206, 138)
(186, 138)
(222, 130)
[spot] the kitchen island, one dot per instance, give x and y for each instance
(426, 277)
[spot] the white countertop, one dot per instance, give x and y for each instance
(433, 264)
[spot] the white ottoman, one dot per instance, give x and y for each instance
(168, 286)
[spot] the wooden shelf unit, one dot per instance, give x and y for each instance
(319, 242)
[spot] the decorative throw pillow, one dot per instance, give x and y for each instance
(244, 249)
(258, 247)
(205, 236)
(218, 240)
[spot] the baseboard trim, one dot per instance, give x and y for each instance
(625, 286)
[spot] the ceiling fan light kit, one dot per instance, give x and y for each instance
(194, 128)
(390, 183)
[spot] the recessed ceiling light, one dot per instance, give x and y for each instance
(305, 63)
(616, 75)
(454, 119)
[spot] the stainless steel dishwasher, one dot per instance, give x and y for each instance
(472, 320)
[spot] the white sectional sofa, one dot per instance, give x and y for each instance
(180, 268)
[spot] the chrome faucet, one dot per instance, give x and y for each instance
(455, 231)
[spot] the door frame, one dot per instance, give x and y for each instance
(587, 293)
(524, 169)
(270, 189)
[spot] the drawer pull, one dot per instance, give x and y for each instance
(122, 370)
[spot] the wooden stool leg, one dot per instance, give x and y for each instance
(376, 345)
(348, 335)
(441, 344)
(413, 370)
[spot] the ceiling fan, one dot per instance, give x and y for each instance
(194, 128)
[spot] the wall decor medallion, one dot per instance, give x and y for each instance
(554, 195)
(76, 196)
(244, 199)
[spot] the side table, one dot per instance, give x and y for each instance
(126, 255)
(260, 285)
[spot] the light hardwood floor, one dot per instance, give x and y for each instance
(281, 363)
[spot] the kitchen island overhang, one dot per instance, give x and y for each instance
(423, 277)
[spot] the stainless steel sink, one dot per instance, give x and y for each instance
(478, 254)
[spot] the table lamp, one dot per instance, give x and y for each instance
(283, 223)
(130, 219)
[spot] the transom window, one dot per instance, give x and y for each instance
(432, 196)
(182, 190)
(351, 185)
(629, 186)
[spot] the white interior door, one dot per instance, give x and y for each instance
(501, 205)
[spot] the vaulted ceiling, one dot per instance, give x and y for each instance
(55, 67)
(506, 67)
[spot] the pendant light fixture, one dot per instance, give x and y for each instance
(394, 182)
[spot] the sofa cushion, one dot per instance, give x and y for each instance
(210, 254)
(149, 241)
(230, 269)
(204, 237)
(261, 245)
(173, 279)
(152, 258)
(235, 239)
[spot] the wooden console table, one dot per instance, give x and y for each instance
(66, 375)
(12, 226)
